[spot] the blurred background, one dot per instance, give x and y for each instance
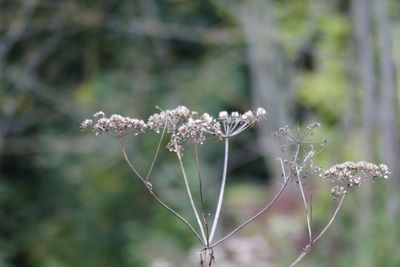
(67, 198)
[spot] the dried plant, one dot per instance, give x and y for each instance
(184, 127)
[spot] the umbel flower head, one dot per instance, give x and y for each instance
(171, 119)
(194, 131)
(116, 124)
(235, 123)
(349, 174)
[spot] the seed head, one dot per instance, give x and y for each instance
(349, 174)
(116, 124)
(236, 123)
(194, 131)
(171, 119)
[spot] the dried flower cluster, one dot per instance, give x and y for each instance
(285, 131)
(182, 124)
(349, 174)
(235, 123)
(171, 119)
(195, 132)
(116, 124)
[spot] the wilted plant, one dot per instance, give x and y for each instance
(184, 127)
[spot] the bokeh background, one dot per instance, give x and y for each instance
(68, 199)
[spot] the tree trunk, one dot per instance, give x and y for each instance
(362, 30)
(363, 35)
(389, 144)
(265, 64)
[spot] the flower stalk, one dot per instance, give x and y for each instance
(221, 193)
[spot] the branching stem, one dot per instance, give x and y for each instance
(189, 193)
(159, 201)
(156, 154)
(305, 203)
(196, 151)
(308, 248)
(262, 211)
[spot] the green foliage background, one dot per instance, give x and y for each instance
(68, 199)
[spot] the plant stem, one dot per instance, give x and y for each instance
(189, 193)
(285, 178)
(270, 204)
(308, 248)
(299, 181)
(305, 204)
(155, 155)
(221, 193)
(159, 201)
(196, 151)
(130, 164)
(307, 211)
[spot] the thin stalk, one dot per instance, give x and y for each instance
(305, 204)
(189, 193)
(159, 201)
(156, 154)
(306, 207)
(130, 164)
(196, 151)
(266, 208)
(302, 190)
(295, 168)
(178, 216)
(221, 193)
(283, 170)
(308, 248)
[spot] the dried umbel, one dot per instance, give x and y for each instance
(235, 123)
(349, 174)
(194, 131)
(116, 124)
(170, 119)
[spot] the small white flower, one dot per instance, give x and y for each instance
(260, 112)
(235, 115)
(86, 124)
(223, 115)
(99, 115)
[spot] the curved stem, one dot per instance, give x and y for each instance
(159, 201)
(221, 193)
(266, 208)
(130, 164)
(308, 248)
(178, 216)
(189, 193)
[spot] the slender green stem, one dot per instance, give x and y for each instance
(196, 151)
(221, 193)
(155, 155)
(189, 193)
(159, 201)
(308, 248)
